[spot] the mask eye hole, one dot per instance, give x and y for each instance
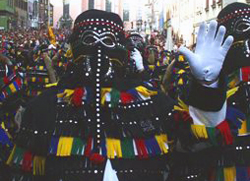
(89, 40)
(242, 26)
(108, 41)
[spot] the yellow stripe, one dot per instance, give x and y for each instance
(40, 67)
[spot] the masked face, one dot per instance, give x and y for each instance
(97, 47)
(236, 18)
(136, 41)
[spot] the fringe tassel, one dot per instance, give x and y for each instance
(162, 142)
(212, 136)
(27, 162)
(53, 145)
(243, 129)
(10, 159)
(219, 174)
(225, 131)
(78, 146)
(113, 148)
(153, 147)
(18, 156)
(64, 146)
(145, 92)
(115, 97)
(242, 174)
(248, 123)
(77, 97)
(141, 148)
(229, 174)
(126, 98)
(199, 131)
(88, 148)
(127, 148)
(39, 165)
(4, 138)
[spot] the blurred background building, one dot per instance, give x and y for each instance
(25, 14)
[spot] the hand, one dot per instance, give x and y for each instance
(210, 52)
(136, 55)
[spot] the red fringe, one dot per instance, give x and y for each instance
(88, 148)
(126, 98)
(225, 131)
(27, 162)
(141, 148)
(77, 97)
(96, 158)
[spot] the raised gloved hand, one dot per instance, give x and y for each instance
(137, 57)
(210, 52)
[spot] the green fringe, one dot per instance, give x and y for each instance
(212, 136)
(127, 148)
(78, 146)
(18, 156)
(115, 97)
(220, 174)
(248, 123)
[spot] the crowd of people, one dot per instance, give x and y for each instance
(98, 103)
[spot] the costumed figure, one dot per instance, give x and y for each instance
(101, 123)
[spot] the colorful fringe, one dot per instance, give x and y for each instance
(27, 161)
(12, 88)
(110, 147)
(234, 116)
(138, 93)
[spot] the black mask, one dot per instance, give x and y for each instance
(236, 18)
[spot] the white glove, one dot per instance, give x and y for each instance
(210, 53)
(136, 55)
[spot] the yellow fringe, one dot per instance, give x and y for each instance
(180, 82)
(67, 93)
(103, 93)
(162, 141)
(232, 91)
(181, 71)
(64, 146)
(10, 159)
(39, 165)
(113, 147)
(145, 92)
(243, 129)
(229, 174)
(181, 58)
(199, 131)
(182, 106)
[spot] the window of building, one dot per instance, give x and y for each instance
(108, 6)
(207, 5)
(91, 4)
(125, 15)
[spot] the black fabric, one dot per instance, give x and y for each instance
(38, 123)
(235, 17)
(206, 98)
